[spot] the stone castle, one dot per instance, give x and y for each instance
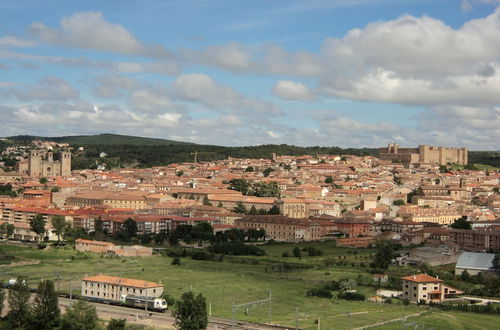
(41, 164)
(424, 154)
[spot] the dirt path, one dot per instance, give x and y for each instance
(388, 321)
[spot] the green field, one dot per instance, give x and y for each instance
(224, 282)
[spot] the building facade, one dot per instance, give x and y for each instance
(42, 164)
(424, 154)
(113, 287)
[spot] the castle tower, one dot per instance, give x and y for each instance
(65, 163)
(35, 163)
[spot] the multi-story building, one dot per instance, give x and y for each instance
(476, 240)
(282, 228)
(422, 287)
(113, 287)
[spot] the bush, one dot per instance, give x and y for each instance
(42, 245)
(321, 292)
(237, 249)
(351, 296)
(176, 261)
(285, 254)
(201, 255)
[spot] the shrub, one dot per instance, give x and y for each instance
(201, 255)
(351, 296)
(236, 249)
(176, 261)
(321, 292)
(285, 254)
(42, 245)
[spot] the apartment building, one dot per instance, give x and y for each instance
(477, 240)
(285, 229)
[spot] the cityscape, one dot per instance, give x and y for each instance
(321, 164)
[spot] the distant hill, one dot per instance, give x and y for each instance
(101, 139)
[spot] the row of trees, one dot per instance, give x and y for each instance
(258, 189)
(43, 312)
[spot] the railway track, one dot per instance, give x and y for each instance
(166, 320)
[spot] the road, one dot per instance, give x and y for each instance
(163, 320)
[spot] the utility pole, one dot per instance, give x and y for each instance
(319, 323)
(210, 308)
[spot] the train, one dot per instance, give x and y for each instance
(146, 303)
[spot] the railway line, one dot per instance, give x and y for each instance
(166, 320)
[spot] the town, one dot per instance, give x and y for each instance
(414, 227)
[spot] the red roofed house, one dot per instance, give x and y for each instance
(423, 287)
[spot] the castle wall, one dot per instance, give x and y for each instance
(424, 154)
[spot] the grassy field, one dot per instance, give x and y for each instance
(221, 283)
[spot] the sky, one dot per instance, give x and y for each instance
(348, 73)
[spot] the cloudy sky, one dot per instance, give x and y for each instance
(348, 73)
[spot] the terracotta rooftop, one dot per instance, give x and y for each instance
(114, 280)
(421, 278)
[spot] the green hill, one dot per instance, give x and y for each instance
(101, 139)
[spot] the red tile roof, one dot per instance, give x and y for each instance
(421, 278)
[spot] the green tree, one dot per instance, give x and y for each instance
(59, 225)
(443, 169)
(129, 229)
(206, 201)
(253, 211)
(267, 171)
(45, 307)
(249, 169)
(296, 252)
(7, 229)
(241, 185)
(2, 297)
(384, 255)
(37, 225)
(191, 312)
(274, 210)
(80, 315)
(115, 324)
(465, 276)
(329, 179)
(43, 180)
(20, 312)
(398, 202)
(179, 173)
(240, 208)
(461, 223)
(496, 263)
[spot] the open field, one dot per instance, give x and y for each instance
(220, 282)
(446, 321)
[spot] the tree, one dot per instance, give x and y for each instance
(274, 210)
(443, 169)
(80, 315)
(7, 229)
(59, 225)
(179, 173)
(20, 313)
(253, 211)
(2, 297)
(129, 229)
(398, 202)
(46, 310)
(249, 169)
(329, 179)
(37, 225)
(461, 223)
(191, 312)
(465, 276)
(43, 180)
(115, 324)
(384, 255)
(296, 252)
(496, 262)
(267, 171)
(240, 208)
(206, 201)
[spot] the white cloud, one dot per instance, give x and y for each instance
(291, 90)
(9, 41)
(201, 88)
(48, 88)
(91, 31)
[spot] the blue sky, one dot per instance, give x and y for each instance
(345, 73)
